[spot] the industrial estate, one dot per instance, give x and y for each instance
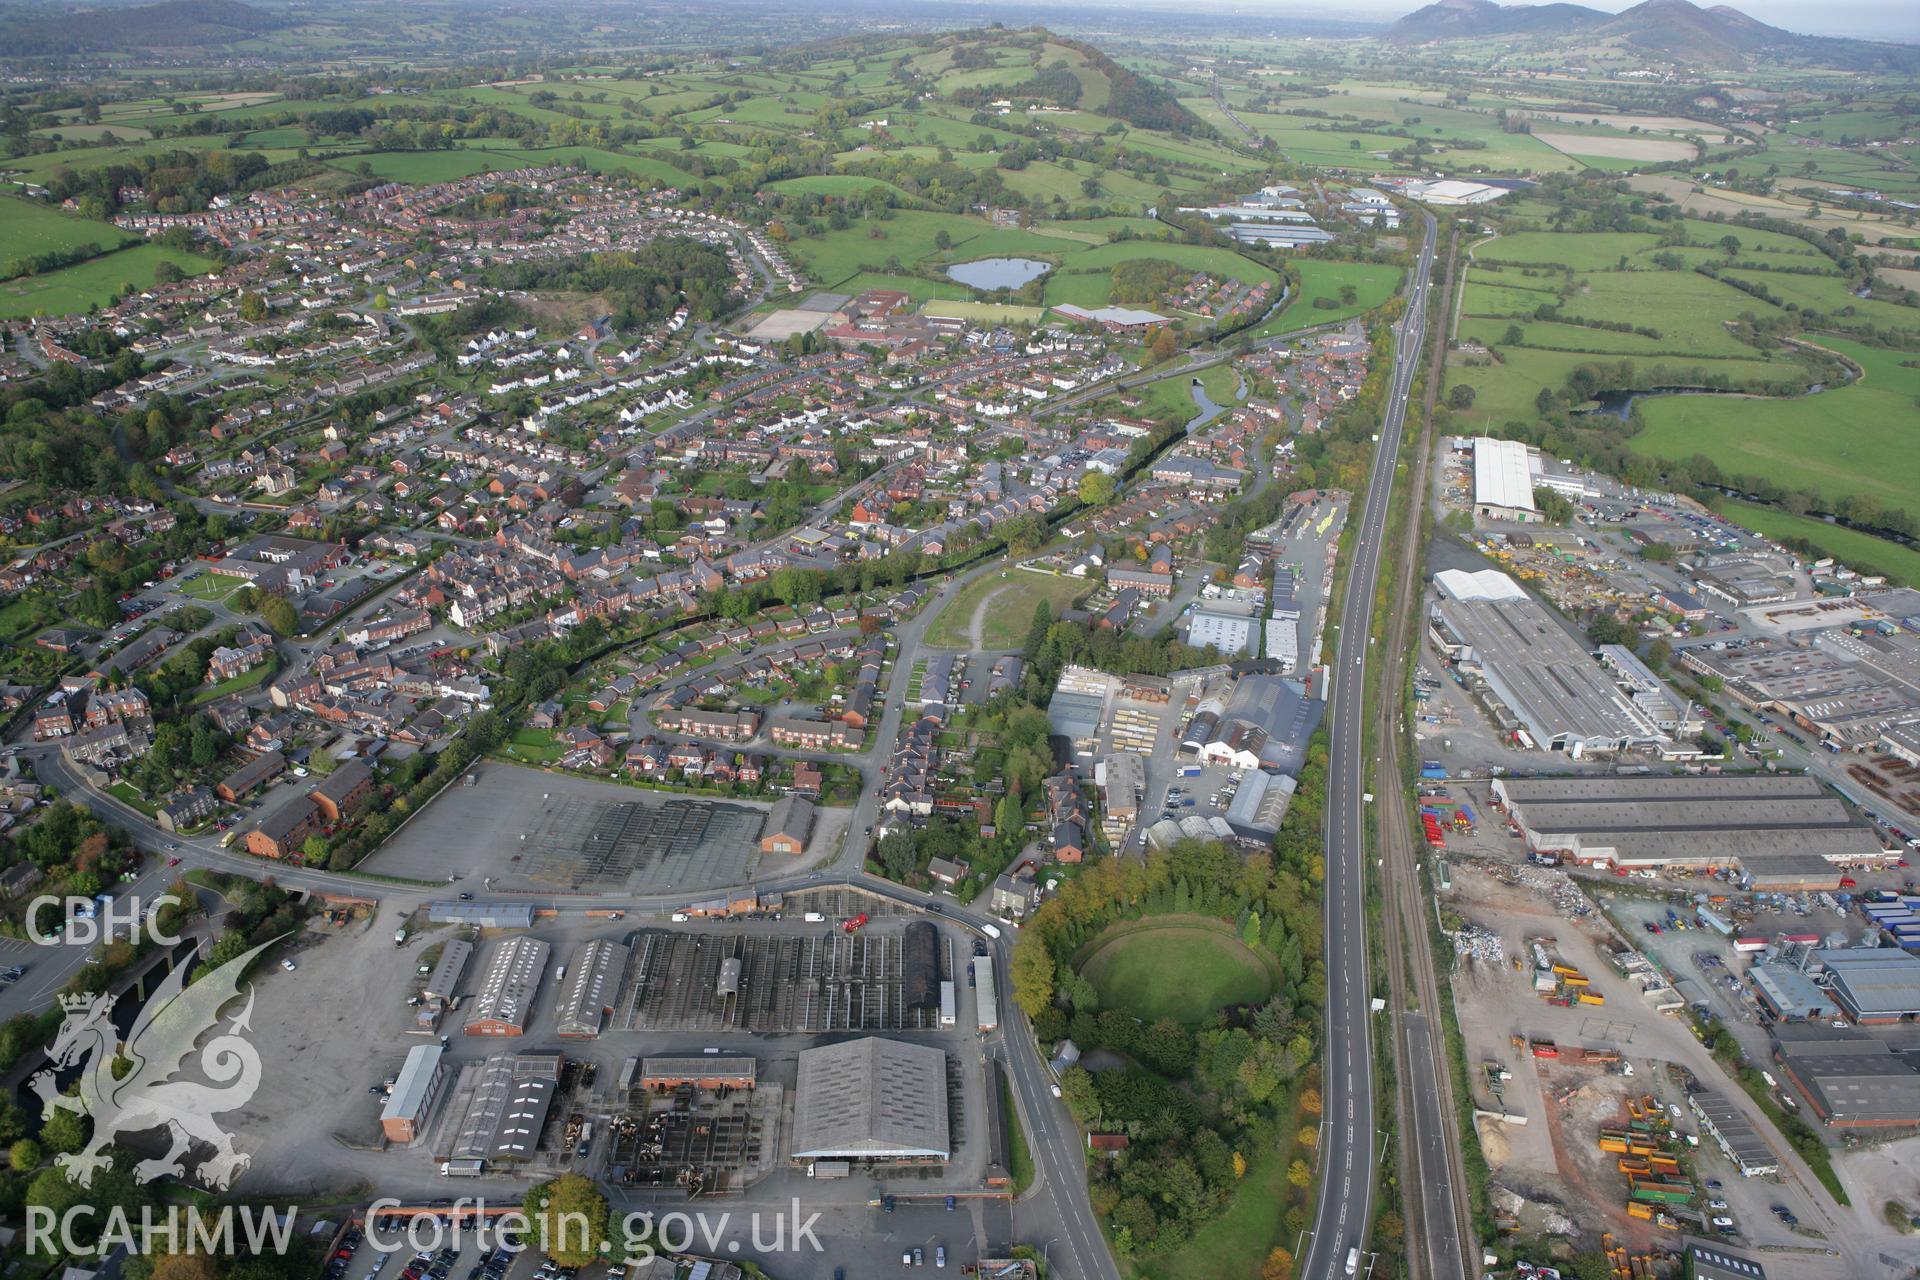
(1167, 646)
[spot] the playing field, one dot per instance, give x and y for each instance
(985, 312)
(212, 586)
(1184, 969)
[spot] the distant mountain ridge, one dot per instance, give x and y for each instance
(1675, 30)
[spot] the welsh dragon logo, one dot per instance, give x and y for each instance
(160, 1043)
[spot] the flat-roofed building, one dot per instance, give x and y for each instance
(592, 982)
(1851, 1080)
(1782, 831)
(1789, 994)
(1079, 704)
(415, 1093)
(1734, 1133)
(710, 1071)
(504, 1004)
(872, 1099)
(1546, 689)
(1122, 776)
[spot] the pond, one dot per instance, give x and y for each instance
(988, 274)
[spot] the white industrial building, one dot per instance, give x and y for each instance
(1503, 480)
(1453, 192)
(1230, 634)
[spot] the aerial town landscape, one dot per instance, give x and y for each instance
(737, 640)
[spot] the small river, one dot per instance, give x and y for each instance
(1204, 402)
(1619, 404)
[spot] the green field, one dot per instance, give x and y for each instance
(909, 237)
(212, 586)
(985, 312)
(28, 228)
(93, 282)
(1860, 438)
(1085, 277)
(1008, 610)
(838, 184)
(1174, 968)
(482, 155)
(534, 746)
(1549, 302)
(1861, 551)
(1372, 282)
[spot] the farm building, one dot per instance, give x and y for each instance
(707, 1072)
(504, 1005)
(415, 1093)
(592, 982)
(789, 826)
(503, 1105)
(444, 983)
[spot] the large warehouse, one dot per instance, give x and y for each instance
(1260, 806)
(1546, 689)
(872, 1099)
(1503, 480)
(504, 1004)
(1783, 832)
(1851, 1079)
(1078, 706)
(1873, 984)
(1264, 724)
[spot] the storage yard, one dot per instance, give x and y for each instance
(1580, 1052)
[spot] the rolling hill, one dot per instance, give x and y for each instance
(1676, 31)
(172, 24)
